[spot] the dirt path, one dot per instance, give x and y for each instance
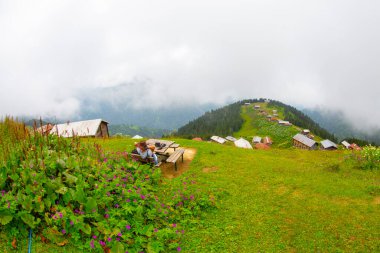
(168, 170)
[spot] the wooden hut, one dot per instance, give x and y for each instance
(301, 141)
(88, 128)
(328, 145)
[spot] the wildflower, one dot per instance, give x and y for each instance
(179, 249)
(9, 205)
(142, 196)
(92, 244)
(102, 243)
(174, 225)
(60, 215)
(128, 227)
(54, 217)
(94, 236)
(119, 234)
(63, 231)
(109, 239)
(118, 239)
(155, 230)
(71, 223)
(128, 200)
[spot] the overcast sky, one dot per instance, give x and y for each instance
(307, 53)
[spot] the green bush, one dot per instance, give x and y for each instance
(371, 157)
(70, 192)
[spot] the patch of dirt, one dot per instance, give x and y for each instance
(211, 169)
(376, 200)
(168, 169)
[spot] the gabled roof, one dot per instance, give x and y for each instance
(304, 140)
(78, 128)
(328, 144)
(230, 138)
(346, 144)
(242, 143)
(256, 139)
(218, 139)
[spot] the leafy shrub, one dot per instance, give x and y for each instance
(70, 192)
(371, 157)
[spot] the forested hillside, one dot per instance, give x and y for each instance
(299, 119)
(223, 121)
(132, 130)
(228, 120)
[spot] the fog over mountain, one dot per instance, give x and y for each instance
(71, 59)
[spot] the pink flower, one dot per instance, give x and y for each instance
(109, 239)
(119, 234)
(63, 231)
(179, 249)
(174, 225)
(128, 227)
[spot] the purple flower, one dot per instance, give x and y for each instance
(142, 196)
(106, 216)
(119, 234)
(94, 236)
(71, 222)
(174, 225)
(54, 217)
(63, 231)
(92, 244)
(117, 205)
(109, 239)
(60, 215)
(155, 230)
(105, 160)
(179, 249)
(102, 243)
(117, 238)
(128, 227)
(128, 200)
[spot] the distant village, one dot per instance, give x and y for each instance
(303, 140)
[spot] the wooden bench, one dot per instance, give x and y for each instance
(174, 146)
(148, 160)
(175, 156)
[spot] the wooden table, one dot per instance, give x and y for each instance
(161, 150)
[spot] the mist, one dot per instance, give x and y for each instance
(54, 55)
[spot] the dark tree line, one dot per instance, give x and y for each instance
(223, 121)
(299, 119)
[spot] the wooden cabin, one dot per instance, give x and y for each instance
(303, 142)
(89, 128)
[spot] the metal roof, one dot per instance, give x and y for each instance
(346, 144)
(218, 139)
(230, 138)
(304, 140)
(242, 143)
(78, 128)
(256, 139)
(328, 144)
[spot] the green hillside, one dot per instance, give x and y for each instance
(280, 200)
(242, 120)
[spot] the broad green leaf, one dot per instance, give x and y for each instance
(118, 248)
(5, 217)
(29, 220)
(91, 205)
(62, 190)
(70, 178)
(86, 228)
(80, 196)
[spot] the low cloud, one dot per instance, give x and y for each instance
(56, 55)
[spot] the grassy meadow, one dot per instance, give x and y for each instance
(277, 200)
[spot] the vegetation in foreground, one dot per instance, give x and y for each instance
(79, 197)
(282, 200)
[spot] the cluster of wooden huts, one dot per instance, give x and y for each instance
(304, 140)
(272, 116)
(88, 128)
